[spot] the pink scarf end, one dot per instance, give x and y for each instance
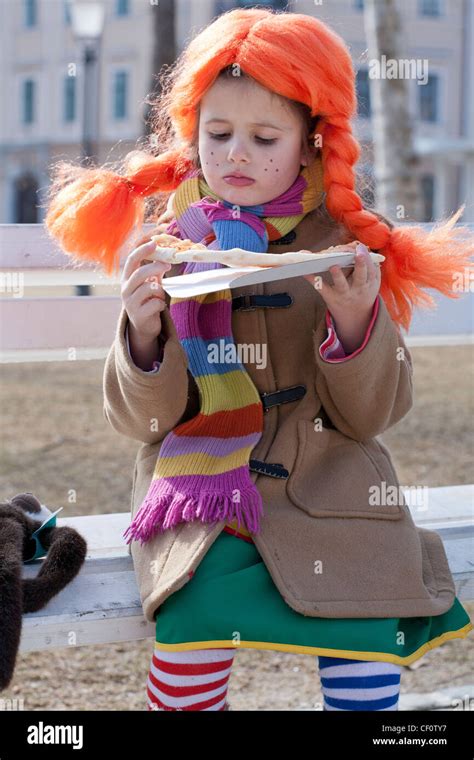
(160, 512)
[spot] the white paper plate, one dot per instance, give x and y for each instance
(199, 283)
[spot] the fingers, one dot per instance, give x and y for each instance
(148, 306)
(135, 272)
(144, 302)
(134, 259)
(141, 253)
(167, 217)
(147, 279)
(364, 268)
(339, 279)
(169, 205)
(363, 272)
(324, 282)
(359, 275)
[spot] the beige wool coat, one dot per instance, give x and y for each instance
(372, 560)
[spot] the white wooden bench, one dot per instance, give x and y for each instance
(102, 604)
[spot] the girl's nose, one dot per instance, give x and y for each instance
(238, 152)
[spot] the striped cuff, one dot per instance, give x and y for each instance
(156, 364)
(331, 349)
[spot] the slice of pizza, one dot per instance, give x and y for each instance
(175, 251)
(169, 245)
(238, 257)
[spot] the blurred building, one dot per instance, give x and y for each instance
(41, 89)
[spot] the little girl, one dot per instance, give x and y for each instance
(257, 152)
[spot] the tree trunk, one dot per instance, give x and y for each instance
(397, 192)
(164, 43)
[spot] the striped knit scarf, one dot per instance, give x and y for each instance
(202, 470)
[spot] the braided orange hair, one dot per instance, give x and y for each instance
(93, 211)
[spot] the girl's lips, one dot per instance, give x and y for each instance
(238, 180)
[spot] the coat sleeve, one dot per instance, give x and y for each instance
(374, 390)
(141, 405)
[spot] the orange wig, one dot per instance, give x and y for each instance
(93, 211)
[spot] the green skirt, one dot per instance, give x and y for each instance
(231, 601)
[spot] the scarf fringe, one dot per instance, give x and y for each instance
(162, 511)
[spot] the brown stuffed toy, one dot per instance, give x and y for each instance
(20, 519)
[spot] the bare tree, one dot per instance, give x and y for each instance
(164, 43)
(397, 192)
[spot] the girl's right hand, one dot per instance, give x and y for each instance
(141, 291)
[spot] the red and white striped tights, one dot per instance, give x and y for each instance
(193, 680)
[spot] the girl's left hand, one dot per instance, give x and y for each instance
(355, 295)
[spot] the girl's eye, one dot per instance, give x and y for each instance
(265, 141)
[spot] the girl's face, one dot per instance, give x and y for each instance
(245, 129)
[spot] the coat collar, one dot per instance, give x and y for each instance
(316, 231)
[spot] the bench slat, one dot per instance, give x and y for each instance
(102, 604)
(43, 278)
(56, 632)
(28, 246)
(73, 322)
(448, 506)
